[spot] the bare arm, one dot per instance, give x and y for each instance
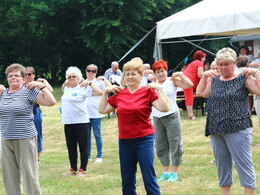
(204, 87)
(45, 97)
(104, 106)
(2, 88)
(252, 83)
(162, 103)
(200, 72)
(107, 83)
(180, 80)
(96, 90)
(46, 83)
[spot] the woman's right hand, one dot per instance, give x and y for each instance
(211, 73)
(112, 89)
(2, 88)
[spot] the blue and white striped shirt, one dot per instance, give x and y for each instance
(16, 113)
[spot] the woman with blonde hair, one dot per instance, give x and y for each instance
(136, 133)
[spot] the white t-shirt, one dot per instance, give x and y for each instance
(93, 101)
(73, 103)
(171, 92)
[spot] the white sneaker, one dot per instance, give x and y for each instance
(98, 160)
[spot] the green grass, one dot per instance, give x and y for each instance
(196, 175)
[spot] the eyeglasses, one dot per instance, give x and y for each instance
(93, 71)
(14, 75)
(72, 77)
(28, 75)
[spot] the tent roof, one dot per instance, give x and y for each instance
(213, 17)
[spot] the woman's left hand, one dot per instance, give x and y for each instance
(35, 84)
(249, 72)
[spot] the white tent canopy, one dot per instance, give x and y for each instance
(212, 17)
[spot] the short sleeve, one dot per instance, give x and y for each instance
(153, 95)
(33, 94)
(112, 101)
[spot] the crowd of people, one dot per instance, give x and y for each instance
(144, 101)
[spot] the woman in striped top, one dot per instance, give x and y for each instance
(18, 132)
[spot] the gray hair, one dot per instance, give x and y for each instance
(114, 63)
(73, 69)
(92, 66)
(226, 54)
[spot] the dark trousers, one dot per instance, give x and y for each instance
(139, 150)
(77, 134)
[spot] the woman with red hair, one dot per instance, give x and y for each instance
(168, 136)
(194, 72)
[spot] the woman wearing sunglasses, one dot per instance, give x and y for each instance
(92, 107)
(30, 77)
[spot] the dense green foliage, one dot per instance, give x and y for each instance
(54, 34)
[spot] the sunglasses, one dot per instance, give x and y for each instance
(93, 71)
(29, 74)
(72, 77)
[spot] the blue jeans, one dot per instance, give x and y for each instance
(95, 124)
(132, 151)
(38, 124)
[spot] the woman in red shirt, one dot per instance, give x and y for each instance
(136, 133)
(194, 72)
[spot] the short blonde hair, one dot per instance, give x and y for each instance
(74, 69)
(135, 65)
(226, 54)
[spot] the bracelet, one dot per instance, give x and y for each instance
(159, 89)
(42, 87)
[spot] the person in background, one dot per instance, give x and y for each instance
(76, 118)
(114, 70)
(18, 132)
(242, 63)
(92, 107)
(229, 123)
(136, 133)
(29, 77)
(244, 51)
(194, 72)
(256, 64)
(168, 133)
(206, 65)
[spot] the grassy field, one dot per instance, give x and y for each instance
(196, 175)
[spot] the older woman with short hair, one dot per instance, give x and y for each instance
(18, 132)
(136, 133)
(168, 136)
(76, 119)
(229, 122)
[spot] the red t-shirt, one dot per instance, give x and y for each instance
(133, 111)
(192, 71)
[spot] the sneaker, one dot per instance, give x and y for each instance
(98, 160)
(82, 173)
(164, 176)
(173, 177)
(72, 172)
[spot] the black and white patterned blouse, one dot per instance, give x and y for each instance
(228, 110)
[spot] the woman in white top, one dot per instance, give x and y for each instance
(168, 136)
(76, 118)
